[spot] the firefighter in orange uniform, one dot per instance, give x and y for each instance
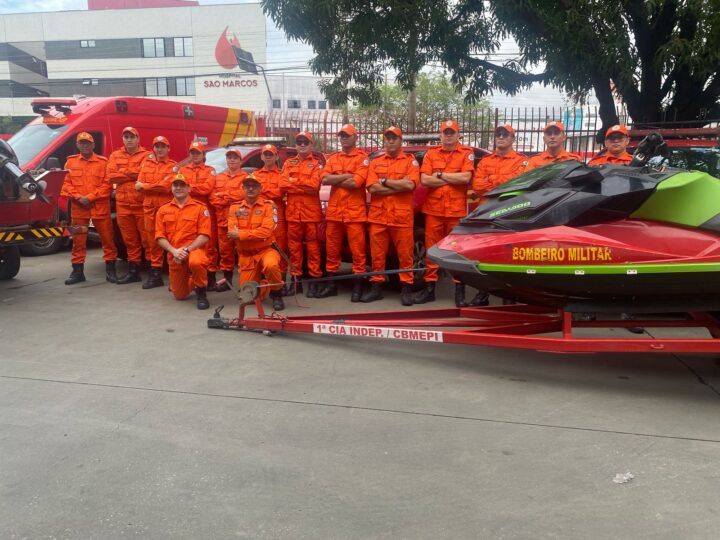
(346, 172)
(392, 178)
(616, 141)
(156, 175)
(182, 229)
(88, 189)
(270, 177)
(301, 183)
(251, 224)
(123, 169)
(554, 138)
(201, 178)
(446, 171)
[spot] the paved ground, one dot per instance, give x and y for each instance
(123, 416)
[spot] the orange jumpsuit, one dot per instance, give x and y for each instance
(301, 182)
(180, 227)
(201, 179)
(270, 180)
(346, 210)
(123, 170)
(391, 217)
(444, 205)
(87, 177)
(228, 189)
(545, 159)
(256, 257)
(495, 169)
(157, 177)
(609, 159)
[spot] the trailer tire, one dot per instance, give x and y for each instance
(9, 262)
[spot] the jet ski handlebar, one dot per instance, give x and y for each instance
(651, 146)
(10, 172)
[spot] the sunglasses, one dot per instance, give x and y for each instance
(302, 142)
(502, 135)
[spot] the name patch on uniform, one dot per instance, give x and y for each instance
(275, 218)
(258, 212)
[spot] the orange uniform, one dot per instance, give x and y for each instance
(391, 217)
(157, 177)
(301, 183)
(346, 210)
(609, 159)
(257, 259)
(271, 180)
(201, 179)
(180, 227)
(123, 170)
(87, 178)
(228, 189)
(495, 169)
(444, 205)
(546, 158)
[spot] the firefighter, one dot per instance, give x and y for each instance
(123, 169)
(182, 229)
(228, 189)
(499, 167)
(446, 171)
(554, 138)
(201, 178)
(271, 178)
(156, 175)
(615, 153)
(301, 183)
(88, 189)
(392, 177)
(251, 224)
(346, 172)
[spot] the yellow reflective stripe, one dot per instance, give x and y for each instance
(36, 233)
(231, 122)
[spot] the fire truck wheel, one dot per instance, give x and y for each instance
(9, 262)
(43, 247)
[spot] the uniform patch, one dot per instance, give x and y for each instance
(175, 169)
(206, 213)
(525, 162)
(258, 212)
(212, 172)
(275, 217)
(311, 165)
(471, 157)
(151, 156)
(366, 162)
(415, 163)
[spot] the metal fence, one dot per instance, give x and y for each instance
(476, 125)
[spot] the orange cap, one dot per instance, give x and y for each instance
(270, 148)
(131, 130)
(197, 145)
(450, 124)
(251, 178)
(558, 125)
(161, 139)
(235, 151)
(305, 134)
(179, 178)
(617, 129)
(349, 129)
(506, 127)
(84, 136)
(394, 130)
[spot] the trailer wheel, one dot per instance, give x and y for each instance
(9, 262)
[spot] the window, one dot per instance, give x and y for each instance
(156, 87)
(276, 104)
(153, 47)
(322, 104)
(293, 103)
(185, 86)
(84, 43)
(94, 82)
(183, 46)
(311, 103)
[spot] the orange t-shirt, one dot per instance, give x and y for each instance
(87, 178)
(228, 189)
(609, 159)
(545, 159)
(348, 205)
(449, 200)
(123, 170)
(271, 180)
(495, 169)
(180, 226)
(157, 177)
(201, 179)
(301, 182)
(396, 210)
(255, 224)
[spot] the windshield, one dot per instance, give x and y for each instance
(32, 139)
(216, 158)
(696, 159)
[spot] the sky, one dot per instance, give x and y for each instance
(282, 53)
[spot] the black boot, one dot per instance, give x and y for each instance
(132, 276)
(277, 300)
(460, 295)
(357, 290)
(312, 290)
(154, 279)
(201, 298)
(77, 275)
(291, 287)
(329, 289)
(225, 283)
(212, 280)
(406, 296)
(375, 293)
(481, 299)
(424, 296)
(110, 272)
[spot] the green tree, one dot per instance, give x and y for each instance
(661, 56)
